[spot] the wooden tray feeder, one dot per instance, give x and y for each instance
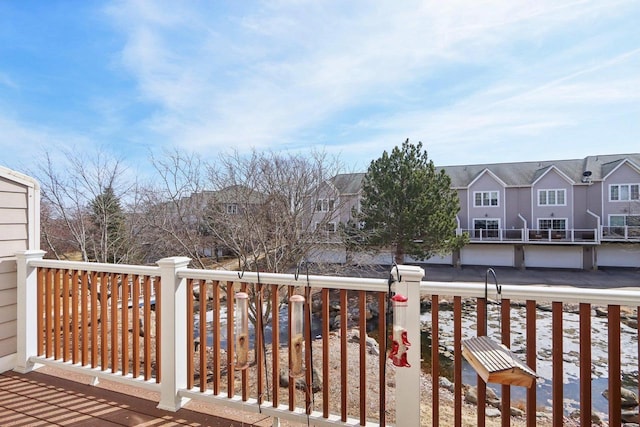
(493, 362)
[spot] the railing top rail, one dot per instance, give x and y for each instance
(565, 294)
(331, 282)
(96, 266)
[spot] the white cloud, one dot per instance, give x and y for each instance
(267, 73)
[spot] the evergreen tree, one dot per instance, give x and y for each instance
(108, 226)
(408, 205)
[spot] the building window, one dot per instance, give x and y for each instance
(624, 220)
(486, 227)
(232, 209)
(485, 198)
(624, 192)
(552, 224)
(551, 198)
(325, 205)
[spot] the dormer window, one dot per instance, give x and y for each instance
(485, 198)
(552, 197)
(624, 192)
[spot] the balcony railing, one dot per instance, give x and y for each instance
(172, 331)
(623, 233)
(522, 235)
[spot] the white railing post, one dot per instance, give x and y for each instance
(173, 324)
(408, 378)
(27, 310)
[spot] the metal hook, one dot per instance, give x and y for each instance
(391, 278)
(244, 268)
(486, 286)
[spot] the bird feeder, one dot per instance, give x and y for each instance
(400, 343)
(296, 361)
(242, 330)
(493, 362)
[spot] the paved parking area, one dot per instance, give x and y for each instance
(602, 278)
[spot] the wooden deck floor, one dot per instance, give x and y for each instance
(43, 399)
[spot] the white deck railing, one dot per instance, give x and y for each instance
(49, 290)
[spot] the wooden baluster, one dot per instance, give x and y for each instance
(531, 361)
(343, 354)
(216, 337)
(382, 330)
(482, 386)
(362, 325)
(124, 327)
(190, 336)
(158, 331)
(615, 415)
(457, 360)
(558, 373)
(585, 364)
(505, 321)
(135, 323)
(435, 360)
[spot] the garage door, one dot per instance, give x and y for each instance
(546, 256)
(618, 255)
(489, 255)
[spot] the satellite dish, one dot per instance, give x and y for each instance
(586, 176)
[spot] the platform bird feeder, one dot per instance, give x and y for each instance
(493, 362)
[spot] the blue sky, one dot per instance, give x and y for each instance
(475, 81)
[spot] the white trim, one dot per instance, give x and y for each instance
(552, 218)
(622, 184)
(553, 167)
(489, 205)
(556, 190)
(624, 161)
(493, 175)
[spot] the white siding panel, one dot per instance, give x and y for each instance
(12, 246)
(13, 216)
(8, 346)
(8, 297)
(621, 255)
(547, 256)
(7, 185)
(497, 255)
(13, 200)
(13, 231)
(8, 265)
(8, 313)
(8, 329)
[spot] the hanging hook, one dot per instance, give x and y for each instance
(486, 286)
(244, 268)
(393, 279)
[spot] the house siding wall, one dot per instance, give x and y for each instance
(623, 175)
(19, 231)
(485, 183)
(552, 181)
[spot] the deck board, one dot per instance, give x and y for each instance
(37, 398)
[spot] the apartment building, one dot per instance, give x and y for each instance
(579, 214)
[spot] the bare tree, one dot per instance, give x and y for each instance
(78, 216)
(175, 208)
(262, 210)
